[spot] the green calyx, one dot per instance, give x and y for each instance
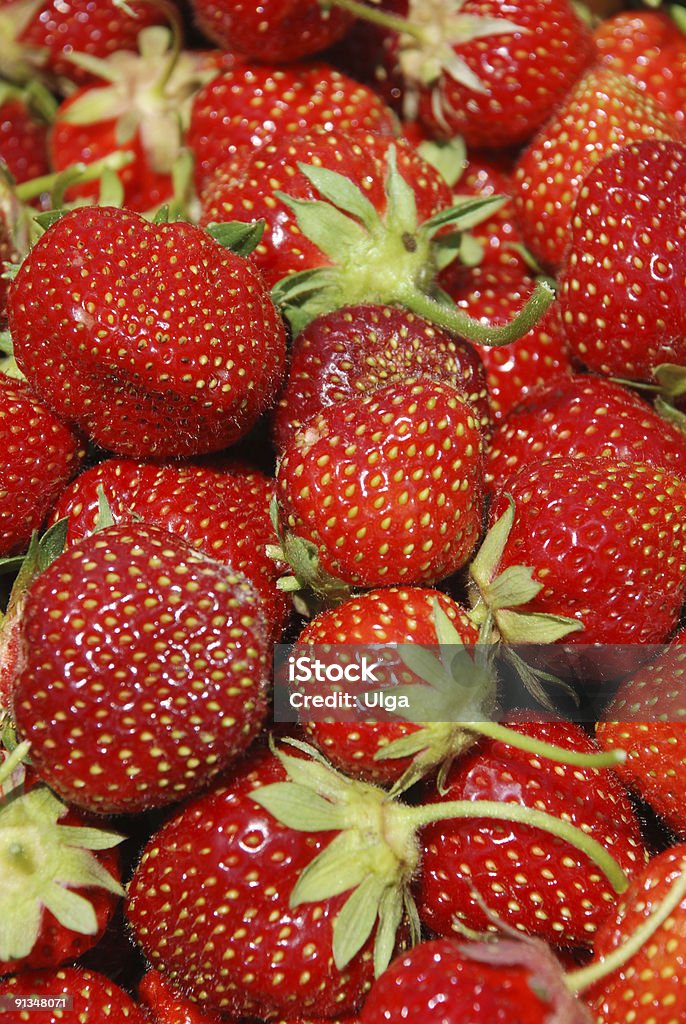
(390, 259)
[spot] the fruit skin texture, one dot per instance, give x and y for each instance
(533, 882)
(167, 1006)
(387, 488)
(622, 286)
(271, 959)
(95, 997)
(607, 541)
(39, 456)
(583, 416)
(355, 349)
(152, 338)
(143, 672)
(23, 139)
(603, 112)
(655, 977)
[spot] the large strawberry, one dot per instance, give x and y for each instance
(143, 670)
(622, 285)
(72, 995)
(152, 337)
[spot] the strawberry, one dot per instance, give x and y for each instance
(72, 996)
(276, 32)
(648, 48)
(40, 455)
(620, 318)
(382, 489)
(603, 112)
(442, 981)
(529, 882)
(167, 1006)
(24, 131)
(583, 416)
(355, 349)
(248, 105)
(179, 349)
(135, 689)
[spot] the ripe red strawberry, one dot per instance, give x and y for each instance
(39, 456)
(383, 489)
(143, 670)
(249, 104)
(583, 416)
(648, 48)
(355, 349)
(530, 881)
(23, 134)
(278, 31)
(442, 981)
(621, 289)
(605, 545)
(90, 998)
(603, 112)
(168, 1006)
(645, 718)
(153, 338)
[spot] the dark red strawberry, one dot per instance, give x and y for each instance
(583, 416)
(355, 349)
(249, 104)
(443, 981)
(621, 289)
(143, 670)
(24, 132)
(649, 48)
(278, 31)
(152, 337)
(168, 1006)
(39, 456)
(530, 881)
(603, 112)
(382, 489)
(72, 995)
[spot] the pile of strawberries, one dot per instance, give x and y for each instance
(332, 323)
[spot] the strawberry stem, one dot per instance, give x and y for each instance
(383, 18)
(13, 760)
(76, 173)
(494, 731)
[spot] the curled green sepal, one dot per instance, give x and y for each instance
(239, 237)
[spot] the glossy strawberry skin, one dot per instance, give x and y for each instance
(355, 349)
(622, 286)
(606, 540)
(603, 112)
(168, 1006)
(583, 416)
(533, 882)
(253, 862)
(23, 141)
(178, 351)
(360, 479)
(249, 104)
(94, 997)
(39, 456)
(390, 615)
(134, 689)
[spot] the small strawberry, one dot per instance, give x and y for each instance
(167, 1006)
(382, 489)
(24, 117)
(355, 349)
(153, 338)
(621, 288)
(583, 416)
(603, 112)
(72, 996)
(143, 670)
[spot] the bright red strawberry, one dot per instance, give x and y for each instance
(645, 718)
(539, 357)
(648, 48)
(143, 670)
(383, 489)
(355, 349)
(621, 290)
(151, 337)
(649, 987)
(249, 104)
(602, 113)
(530, 881)
(276, 31)
(583, 416)
(23, 134)
(39, 456)
(168, 1006)
(89, 998)
(605, 545)
(442, 981)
